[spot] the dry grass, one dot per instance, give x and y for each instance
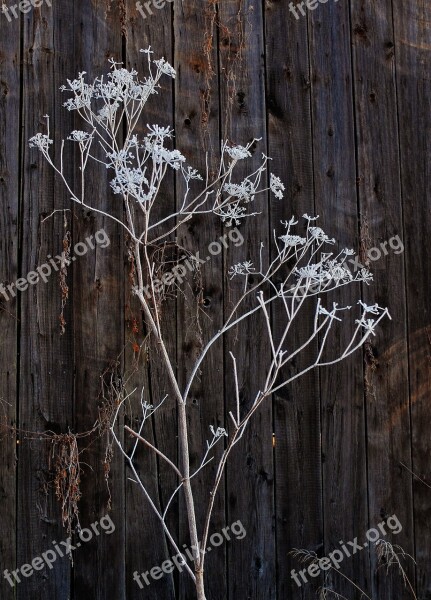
(390, 556)
(65, 463)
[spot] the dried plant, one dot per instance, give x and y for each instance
(63, 281)
(390, 555)
(302, 272)
(67, 477)
(324, 593)
(309, 557)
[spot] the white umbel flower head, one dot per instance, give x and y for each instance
(238, 152)
(40, 141)
(368, 324)
(373, 309)
(320, 236)
(277, 186)
(244, 268)
(293, 240)
(219, 432)
(233, 213)
(79, 136)
(243, 191)
(364, 275)
(165, 67)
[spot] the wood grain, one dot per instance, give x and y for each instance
(10, 159)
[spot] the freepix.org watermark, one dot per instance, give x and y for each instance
(299, 8)
(25, 6)
(62, 549)
(348, 549)
(395, 244)
(179, 560)
(145, 9)
(56, 263)
(192, 262)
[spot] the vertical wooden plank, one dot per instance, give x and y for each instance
(200, 307)
(147, 546)
(98, 327)
(10, 97)
(298, 485)
(46, 373)
(386, 368)
(343, 411)
(412, 23)
(250, 475)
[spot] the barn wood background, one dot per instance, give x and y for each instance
(341, 100)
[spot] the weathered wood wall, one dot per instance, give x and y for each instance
(341, 98)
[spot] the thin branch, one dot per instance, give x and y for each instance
(158, 452)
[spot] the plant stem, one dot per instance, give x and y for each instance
(200, 588)
(182, 422)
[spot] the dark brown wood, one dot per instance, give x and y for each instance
(412, 46)
(250, 472)
(342, 404)
(142, 553)
(98, 330)
(297, 453)
(200, 309)
(45, 374)
(10, 98)
(386, 368)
